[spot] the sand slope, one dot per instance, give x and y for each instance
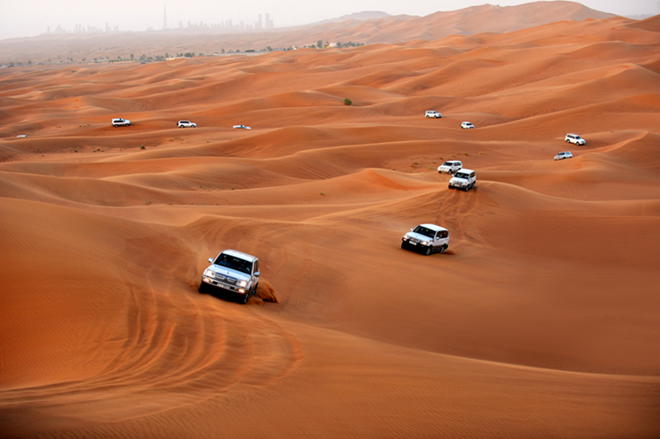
(540, 321)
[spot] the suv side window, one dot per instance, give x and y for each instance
(256, 266)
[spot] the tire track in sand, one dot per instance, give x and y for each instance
(164, 348)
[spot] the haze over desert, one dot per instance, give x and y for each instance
(539, 321)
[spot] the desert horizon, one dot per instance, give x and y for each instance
(540, 319)
(60, 47)
(94, 16)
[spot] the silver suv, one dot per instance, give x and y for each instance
(186, 124)
(427, 238)
(464, 179)
(232, 271)
(119, 122)
(564, 155)
(432, 114)
(575, 139)
(450, 166)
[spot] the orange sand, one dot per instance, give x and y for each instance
(541, 320)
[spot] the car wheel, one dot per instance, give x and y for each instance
(245, 298)
(427, 251)
(403, 245)
(443, 248)
(202, 288)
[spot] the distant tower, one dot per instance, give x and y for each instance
(164, 17)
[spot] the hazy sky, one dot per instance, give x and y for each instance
(32, 17)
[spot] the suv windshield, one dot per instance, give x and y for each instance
(448, 164)
(424, 231)
(234, 263)
(461, 175)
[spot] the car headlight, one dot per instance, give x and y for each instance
(425, 243)
(209, 273)
(242, 283)
(405, 238)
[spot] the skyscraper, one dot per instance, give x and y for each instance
(164, 17)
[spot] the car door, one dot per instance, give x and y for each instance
(436, 241)
(442, 238)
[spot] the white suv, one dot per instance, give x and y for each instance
(432, 113)
(575, 139)
(450, 167)
(186, 124)
(427, 238)
(467, 125)
(464, 179)
(232, 271)
(564, 155)
(119, 122)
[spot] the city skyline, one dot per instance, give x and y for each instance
(33, 17)
(264, 22)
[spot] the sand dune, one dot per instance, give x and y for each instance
(539, 321)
